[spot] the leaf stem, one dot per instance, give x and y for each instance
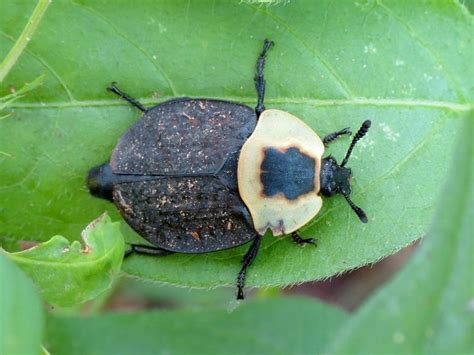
(24, 38)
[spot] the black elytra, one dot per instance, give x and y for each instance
(175, 175)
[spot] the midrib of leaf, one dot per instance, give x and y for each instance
(24, 38)
(361, 101)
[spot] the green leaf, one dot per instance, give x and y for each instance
(10, 59)
(6, 101)
(428, 308)
(253, 328)
(68, 274)
(172, 296)
(404, 65)
(21, 314)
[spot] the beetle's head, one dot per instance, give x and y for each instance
(99, 181)
(336, 178)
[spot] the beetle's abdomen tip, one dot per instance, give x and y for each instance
(93, 180)
(96, 183)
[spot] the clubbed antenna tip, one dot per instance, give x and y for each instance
(360, 133)
(359, 211)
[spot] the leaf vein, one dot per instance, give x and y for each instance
(28, 174)
(433, 53)
(359, 101)
(120, 34)
(44, 63)
(338, 80)
(396, 167)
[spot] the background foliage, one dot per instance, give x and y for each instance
(405, 65)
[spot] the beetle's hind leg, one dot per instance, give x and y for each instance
(248, 259)
(302, 241)
(335, 135)
(113, 88)
(259, 80)
(146, 250)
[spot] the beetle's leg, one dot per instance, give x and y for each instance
(113, 88)
(302, 241)
(259, 80)
(248, 259)
(147, 250)
(335, 135)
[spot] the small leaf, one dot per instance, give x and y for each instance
(68, 274)
(252, 328)
(429, 307)
(21, 314)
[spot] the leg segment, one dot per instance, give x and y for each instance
(335, 135)
(259, 80)
(248, 259)
(113, 88)
(147, 250)
(302, 241)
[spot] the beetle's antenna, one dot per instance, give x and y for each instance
(360, 133)
(359, 212)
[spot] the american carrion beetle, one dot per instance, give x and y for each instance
(202, 175)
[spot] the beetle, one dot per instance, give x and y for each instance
(202, 175)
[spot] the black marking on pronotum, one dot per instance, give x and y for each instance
(288, 172)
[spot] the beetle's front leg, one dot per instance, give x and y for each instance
(302, 241)
(335, 135)
(259, 80)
